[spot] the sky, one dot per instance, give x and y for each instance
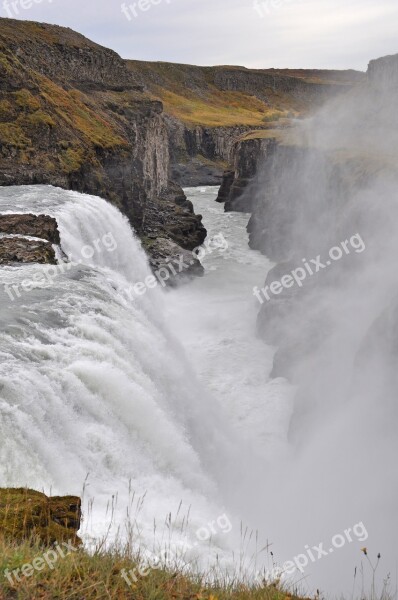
(329, 34)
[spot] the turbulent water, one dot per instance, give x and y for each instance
(159, 406)
(215, 320)
(96, 390)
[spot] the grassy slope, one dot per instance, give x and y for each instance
(81, 576)
(190, 93)
(37, 113)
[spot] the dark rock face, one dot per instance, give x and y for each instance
(199, 154)
(196, 172)
(40, 226)
(383, 73)
(172, 216)
(16, 248)
(310, 195)
(257, 82)
(248, 154)
(20, 250)
(225, 188)
(25, 513)
(183, 262)
(72, 115)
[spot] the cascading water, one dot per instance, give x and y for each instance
(169, 397)
(94, 385)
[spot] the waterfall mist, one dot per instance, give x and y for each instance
(336, 336)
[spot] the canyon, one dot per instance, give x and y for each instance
(75, 115)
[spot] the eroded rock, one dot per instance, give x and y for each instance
(25, 513)
(23, 250)
(40, 226)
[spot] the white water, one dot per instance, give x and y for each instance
(94, 385)
(167, 396)
(215, 319)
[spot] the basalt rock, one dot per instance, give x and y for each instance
(72, 115)
(16, 245)
(249, 153)
(209, 108)
(21, 250)
(180, 264)
(40, 226)
(27, 514)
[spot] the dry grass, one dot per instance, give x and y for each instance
(97, 575)
(217, 109)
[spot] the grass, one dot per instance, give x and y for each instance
(217, 108)
(43, 567)
(12, 134)
(71, 107)
(198, 95)
(33, 527)
(98, 575)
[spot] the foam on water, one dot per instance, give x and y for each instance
(95, 385)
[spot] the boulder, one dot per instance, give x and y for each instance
(40, 226)
(22, 250)
(26, 513)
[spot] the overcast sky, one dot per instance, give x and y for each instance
(276, 33)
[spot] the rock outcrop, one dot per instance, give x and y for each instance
(40, 226)
(72, 115)
(209, 108)
(27, 238)
(249, 153)
(184, 264)
(25, 514)
(21, 250)
(319, 184)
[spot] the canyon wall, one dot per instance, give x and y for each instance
(209, 109)
(72, 115)
(330, 182)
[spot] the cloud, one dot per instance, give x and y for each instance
(291, 33)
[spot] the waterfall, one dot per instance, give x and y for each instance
(93, 383)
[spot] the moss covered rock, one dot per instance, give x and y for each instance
(26, 513)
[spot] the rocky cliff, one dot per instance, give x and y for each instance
(26, 238)
(327, 183)
(72, 115)
(248, 153)
(210, 108)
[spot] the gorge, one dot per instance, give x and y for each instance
(198, 402)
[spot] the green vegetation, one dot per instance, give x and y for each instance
(27, 514)
(5, 67)
(72, 159)
(216, 108)
(202, 95)
(72, 109)
(25, 100)
(98, 575)
(263, 134)
(11, 134)
(40, 118)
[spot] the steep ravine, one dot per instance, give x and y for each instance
(73, 116)
(326, 181)
(209, 108)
